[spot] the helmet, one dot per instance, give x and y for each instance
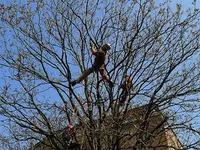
(106, 46)
(70, 126)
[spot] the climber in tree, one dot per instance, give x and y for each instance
(68, 133)
(99, 64)
(126, 87)
(68, 138)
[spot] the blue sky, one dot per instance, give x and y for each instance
(185, 5)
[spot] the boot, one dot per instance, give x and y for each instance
(85, 74)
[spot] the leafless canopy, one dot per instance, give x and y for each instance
(45, 45)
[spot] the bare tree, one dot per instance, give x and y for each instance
(46, 46)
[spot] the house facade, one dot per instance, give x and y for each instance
(133, 132)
